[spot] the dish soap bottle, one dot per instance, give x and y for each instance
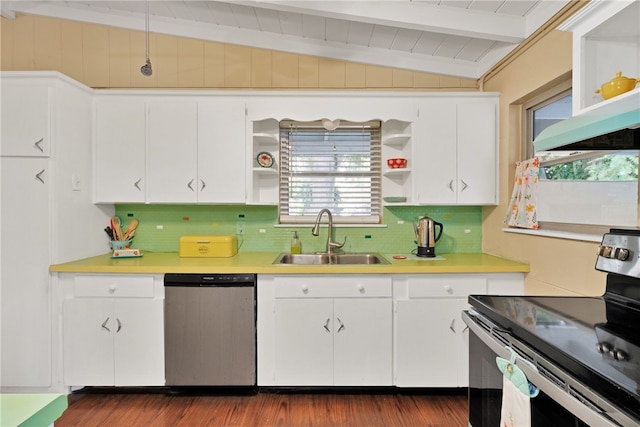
(296, 245)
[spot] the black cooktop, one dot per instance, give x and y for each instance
(595, 339)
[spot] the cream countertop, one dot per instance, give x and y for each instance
(262, 263)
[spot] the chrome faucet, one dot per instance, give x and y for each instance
(316, 230)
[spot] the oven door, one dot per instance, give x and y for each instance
(552, 407)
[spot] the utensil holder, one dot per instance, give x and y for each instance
(120, 244)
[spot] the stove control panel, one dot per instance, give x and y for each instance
(619, 253)
(618, 350)
(607, 349)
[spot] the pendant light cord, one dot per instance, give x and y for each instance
(146, 27)
(146, 68)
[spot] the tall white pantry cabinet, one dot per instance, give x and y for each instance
(47, 215)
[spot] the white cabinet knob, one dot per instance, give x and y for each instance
(305, 289)
(361, 288)
(112, 288)
(448, 288)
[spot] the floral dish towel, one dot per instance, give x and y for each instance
(522, 206)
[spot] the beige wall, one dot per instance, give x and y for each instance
(558, 266)
(108, 57)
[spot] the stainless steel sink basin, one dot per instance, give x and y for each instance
(332, 259)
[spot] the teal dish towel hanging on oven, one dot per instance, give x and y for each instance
(514, 374)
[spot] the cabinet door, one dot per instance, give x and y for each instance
(362, 330)
(435, 148)
(138, 342)
(456, 150)
(430, 343)
(24, 284)
(304, 342)
(477, 155)
(172, 152)
(88, 327)
(25, 120)
(120, 151)
(221, 151)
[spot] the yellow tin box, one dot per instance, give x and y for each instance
(202, 246)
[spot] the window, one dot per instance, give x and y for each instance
(338, 169)
(580, 187)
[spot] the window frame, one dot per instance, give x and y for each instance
(540, 100)
(285, 216)
(543, 99)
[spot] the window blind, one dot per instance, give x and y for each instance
(337, 169)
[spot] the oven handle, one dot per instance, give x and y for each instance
(573, 405)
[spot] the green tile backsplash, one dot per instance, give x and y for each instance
(162, 225)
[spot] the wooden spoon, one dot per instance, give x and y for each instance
(131, 229)
(117, 229)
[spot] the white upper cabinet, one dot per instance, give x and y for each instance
(221, 151)
(202, 148)
(26, 119)
(170, 149)
(477, 166)
(455, 151)
(606, 40)
(120, 172)
(173, 151)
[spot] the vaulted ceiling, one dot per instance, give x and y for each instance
(461, 38)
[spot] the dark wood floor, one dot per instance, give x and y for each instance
(270, 408)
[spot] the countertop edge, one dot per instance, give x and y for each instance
(262, 263)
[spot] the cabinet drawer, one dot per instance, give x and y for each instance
(333, 286)
(113, 285)
(444, 286)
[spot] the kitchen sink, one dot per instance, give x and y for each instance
(330, 259)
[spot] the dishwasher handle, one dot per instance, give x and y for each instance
(203, 280)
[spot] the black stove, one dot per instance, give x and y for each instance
(595, 339)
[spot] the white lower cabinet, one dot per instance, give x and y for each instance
(436, 356)
(325, 330)
(369, 330)
(430, 338)
(112, 328)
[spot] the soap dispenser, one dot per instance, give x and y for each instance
(296, 245)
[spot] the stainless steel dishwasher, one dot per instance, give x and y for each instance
(210, 329)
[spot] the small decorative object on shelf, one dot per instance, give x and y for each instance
(616, 86)
(265, 159)
(395, 199)
(397, 163)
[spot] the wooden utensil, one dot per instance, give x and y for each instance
(117, 229)
(131, 229)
